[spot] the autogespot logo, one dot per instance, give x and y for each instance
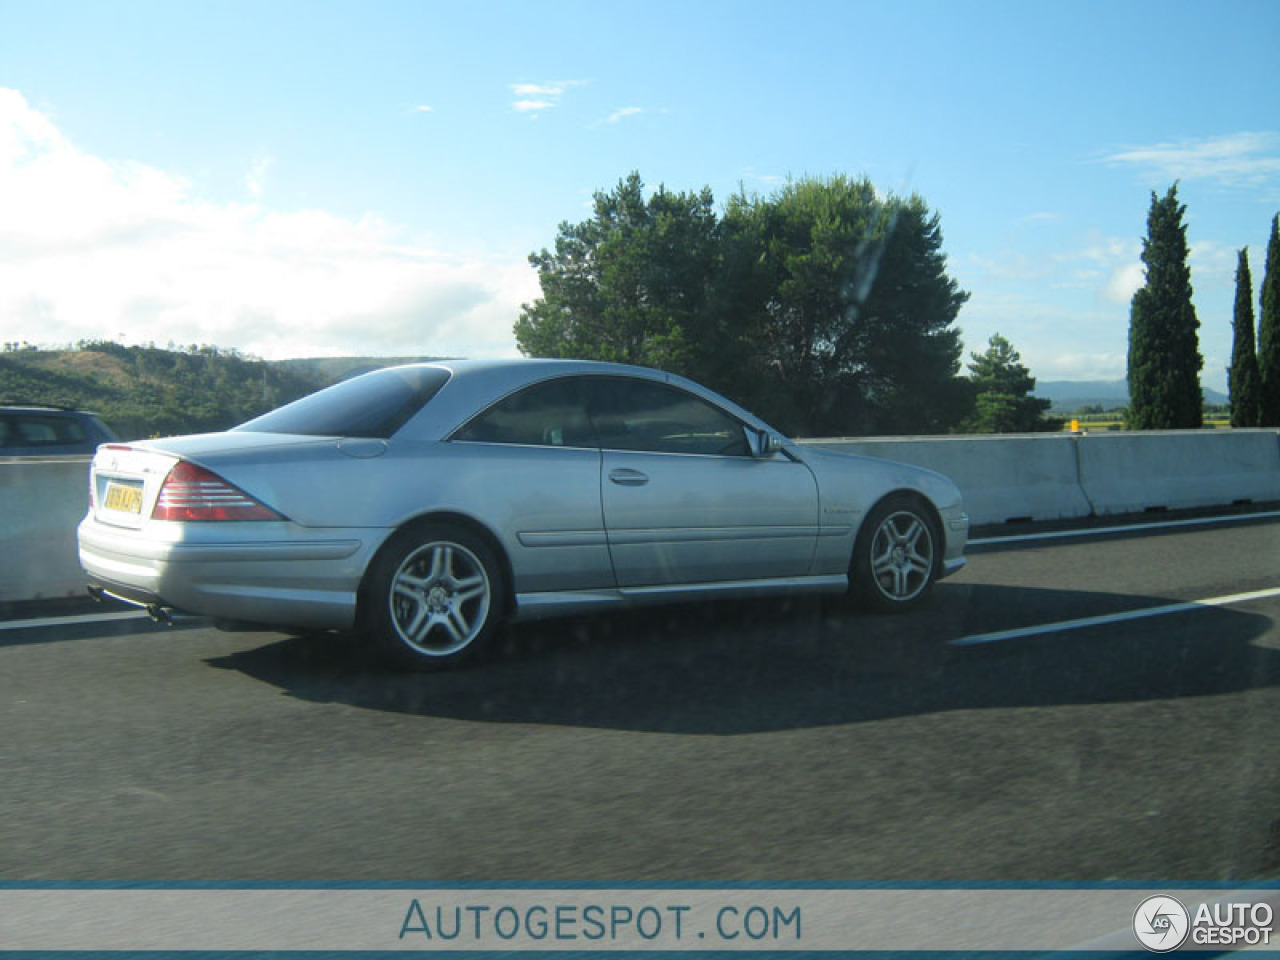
(1161, 924)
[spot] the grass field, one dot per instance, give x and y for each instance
(1110, 422)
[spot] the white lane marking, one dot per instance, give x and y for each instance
(71, 621)
(1126, 528)
(1064, 625)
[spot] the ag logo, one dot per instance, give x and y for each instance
(1161, 924)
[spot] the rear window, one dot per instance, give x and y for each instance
(39, 430)
(374, 405)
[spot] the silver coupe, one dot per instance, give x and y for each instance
(422, 505)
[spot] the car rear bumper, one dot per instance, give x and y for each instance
(308, 581)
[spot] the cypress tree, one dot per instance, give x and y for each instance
(1243, 382)
(1269, 332)
(1164, 347)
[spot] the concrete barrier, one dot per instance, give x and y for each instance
(1023, 477)
(1177, 470)
(41, 503)
(1034, 477)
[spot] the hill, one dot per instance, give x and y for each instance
(1069, 396)
(149, 391)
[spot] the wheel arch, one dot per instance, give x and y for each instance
(935, 518)
(465, 521)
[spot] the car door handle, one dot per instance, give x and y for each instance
(628, 478)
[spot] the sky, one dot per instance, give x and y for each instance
(294, 179)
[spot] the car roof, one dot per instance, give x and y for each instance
(37, 408)
(540, 365)
(475, 384)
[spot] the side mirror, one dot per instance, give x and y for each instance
(762, 443)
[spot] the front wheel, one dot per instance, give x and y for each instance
(895, 560)
(435, 597)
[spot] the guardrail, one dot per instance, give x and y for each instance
(1003, 478)
(41, 503)
(1033, 477)
(1056, 476)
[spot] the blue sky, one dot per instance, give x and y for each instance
(297, 179)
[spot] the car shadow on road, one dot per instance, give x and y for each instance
(781, 665)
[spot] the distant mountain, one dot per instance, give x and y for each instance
(1069, 396)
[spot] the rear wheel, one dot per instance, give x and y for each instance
(895, 560)
(435, 596)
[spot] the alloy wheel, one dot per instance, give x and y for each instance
(440, 598)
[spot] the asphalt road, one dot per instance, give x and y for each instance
(763, 741)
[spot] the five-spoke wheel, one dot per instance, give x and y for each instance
(435, 596)
(896, 558)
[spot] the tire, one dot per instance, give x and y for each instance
(435, 596)
(895, 560)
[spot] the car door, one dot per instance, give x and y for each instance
(537, 479)
(684, 501)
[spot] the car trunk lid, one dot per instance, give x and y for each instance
(125, 481)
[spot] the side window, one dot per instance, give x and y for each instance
(658, 418)
(38, 431)
(547, 414)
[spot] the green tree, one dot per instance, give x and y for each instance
(825, 307)
(1002, 391)
(855, 333)
(1164, 350)
(628, 285)
(1269, 333)
(1243, 383)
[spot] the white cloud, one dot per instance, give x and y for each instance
(1212, 264)
(1055, 365)
(1123, 283)
(1114, 267)
(423, 108)
(1057, 341)
(97, 249)
(620, 115)
(1236, 160)
(1068, 312)
(534, 98)
(537, 90)
(532, 106)
(256, 179)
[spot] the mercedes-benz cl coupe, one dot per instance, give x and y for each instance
(420, 506)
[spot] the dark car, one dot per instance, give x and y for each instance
(36, 431)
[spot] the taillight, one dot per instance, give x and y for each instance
(193, 494)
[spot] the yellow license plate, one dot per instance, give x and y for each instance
(123, 499)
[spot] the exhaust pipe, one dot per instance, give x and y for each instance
(157, 613)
